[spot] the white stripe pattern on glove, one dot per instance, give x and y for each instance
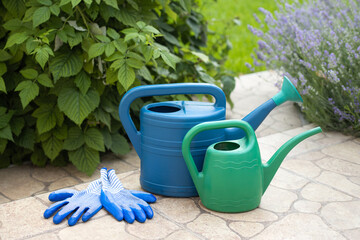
(116, 185)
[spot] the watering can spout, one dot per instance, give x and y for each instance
(271, 167)
(288, 92)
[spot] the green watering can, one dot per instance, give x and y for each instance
(233, 178)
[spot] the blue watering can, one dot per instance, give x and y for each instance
(163, 127)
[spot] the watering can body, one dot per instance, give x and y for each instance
(162, 128)
(164, 125)
(234, 178)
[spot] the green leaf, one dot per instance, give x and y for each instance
(38, 158)
(44, 80)
(88, 2)
(3, 143)
(28, 91)
(77, 106)
(112, 3)
(52, 147)
(171, 38)
(150, 29)
(29, 73)
(83, 82)
(27, 139)
(61, 133)
(111, 76)
(5, 119)
(201, 55)
(3, 69)
(119, 144)
(135, 55)
(147, 52)
(16, 38)
(112, 33)
(120, 45)
(74, 3)
(145, 73)
(17, 124)
(2, 85)
(109, 49)
(15, 7)
(55, 9)
(29, 14)
(94, 139)
(4, 56)
(66, 65)
(73, 41)
(46, 118)
(96, 50)
(170, 12)
(103, 117)
(126, 75)
(103, 38)
(85, 159)
(41, 15)
(6, 133)
(126, 16)
(13, 24)
(45, 2)
(194, 24)
(107, 137)
(42, 56)
(170, 59)
(31, 45)
(133, 4)
(186, 4)
(64, 2)
(132, 62)
(74, 140)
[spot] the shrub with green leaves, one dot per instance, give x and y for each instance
(64, 66)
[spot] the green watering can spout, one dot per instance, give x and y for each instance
(271, 167)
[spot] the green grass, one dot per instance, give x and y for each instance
(222, 12)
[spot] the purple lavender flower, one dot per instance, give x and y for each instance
(317, 45)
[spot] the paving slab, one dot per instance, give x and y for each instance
(314, 195)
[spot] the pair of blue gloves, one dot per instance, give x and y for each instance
(106, 192)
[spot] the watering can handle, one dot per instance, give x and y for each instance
(249, 134)
(159, 90)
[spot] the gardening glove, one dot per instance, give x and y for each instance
(85, 202)
(124, 204)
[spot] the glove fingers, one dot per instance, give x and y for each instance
(53, 208)
(62, 194)
(111, 206)
(148, 211)
(147, 197)
(63, 213)
(139, 213)
(91, 212)
(76, 216)
(128, 215)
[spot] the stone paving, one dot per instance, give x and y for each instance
(314, 195)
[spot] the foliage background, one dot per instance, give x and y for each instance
(231, 19)
(64, 66)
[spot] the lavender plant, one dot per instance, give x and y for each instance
(316, 43)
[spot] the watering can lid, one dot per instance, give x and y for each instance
(183, 111)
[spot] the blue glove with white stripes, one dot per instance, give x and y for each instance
(124, 204)
(86, 202)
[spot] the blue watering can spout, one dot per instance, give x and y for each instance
(288, 92)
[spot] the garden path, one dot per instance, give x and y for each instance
(314, 195)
